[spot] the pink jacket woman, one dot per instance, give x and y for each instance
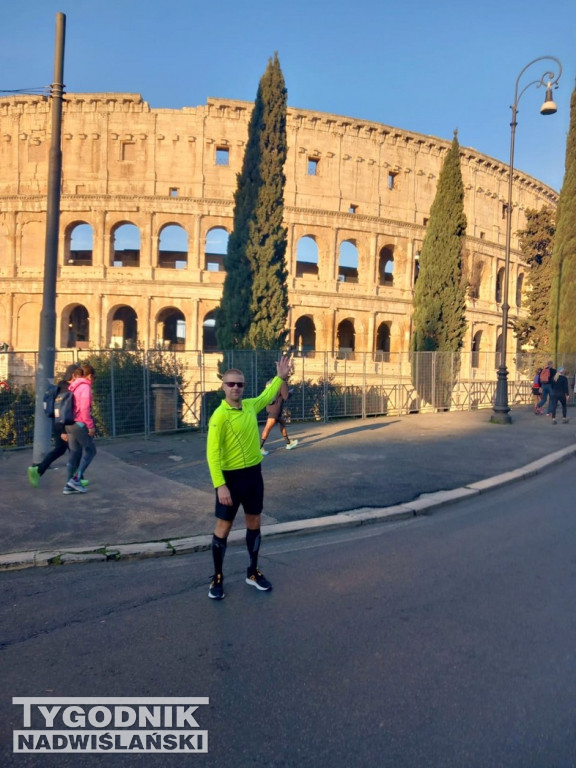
(82, 389)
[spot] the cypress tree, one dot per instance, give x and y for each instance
(536, 244)
(440, 291)
(563, 291)
(254, 305)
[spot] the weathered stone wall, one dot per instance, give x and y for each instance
(347, 180)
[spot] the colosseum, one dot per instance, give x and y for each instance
(147, 207)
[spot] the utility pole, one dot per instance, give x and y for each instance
(47, 340)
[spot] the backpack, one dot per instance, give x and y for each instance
(545, 376)
(49, 399)
(64, 408)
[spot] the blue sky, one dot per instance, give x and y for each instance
(424, 66)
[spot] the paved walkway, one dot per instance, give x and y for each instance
(154, 497)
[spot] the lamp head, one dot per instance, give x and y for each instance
(549, 107)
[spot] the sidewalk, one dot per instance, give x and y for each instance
(154, 497)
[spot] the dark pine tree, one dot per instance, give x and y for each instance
(439, 320)
(563, 292)
(254, 305)
(536, 243)
(440, 293)
(267, 243)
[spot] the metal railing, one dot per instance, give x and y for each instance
(156, 391)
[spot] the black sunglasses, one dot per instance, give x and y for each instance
(238, 384)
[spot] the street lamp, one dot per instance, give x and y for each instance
(549, 80)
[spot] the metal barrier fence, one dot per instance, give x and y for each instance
(157, 391)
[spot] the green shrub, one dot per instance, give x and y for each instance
(17, 405)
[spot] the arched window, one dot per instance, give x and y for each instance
(209, 343)
(476, 279)
(500, 286)
(126, 246)
(382, 352)
(348, 262)
(123, 328)
(32, 243)
(498, 350)
(75, 327)
(307, 257)
(79, 245)
(519, 286)
(386, 265)
(173, 247)
(305, 336)
(215, 249)
(171, 329)
(346, 339)
(476, 343)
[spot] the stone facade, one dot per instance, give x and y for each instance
(358, 195)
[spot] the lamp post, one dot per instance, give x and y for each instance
(47, 340)
(501, 410)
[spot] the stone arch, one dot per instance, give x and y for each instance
(499, 293)
(215, 248)
(519, 288)
(125, 245)
(171, 329)
(476, 349)
(346, 338)
(386, 265)
(498, 350)
(476, 278)
(27, 325)
(305, 336)
(383, 338)
(32, 244)
(79, 244)
(4, 325)
(75, 327)
(348, 259)
(172, 247)
(209, 342)
(122, 327)
(307, 257)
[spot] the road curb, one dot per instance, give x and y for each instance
(422, 505)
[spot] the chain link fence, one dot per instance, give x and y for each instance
(142, 393)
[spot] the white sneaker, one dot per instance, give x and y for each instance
(264, 452)
(291, 444)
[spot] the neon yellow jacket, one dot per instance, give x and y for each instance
(233, 437)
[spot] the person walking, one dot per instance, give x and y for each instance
(234, 459)
(274, 415)
(546, 376)
(59, 436)
(536, 391)
(81, 433)
(560, 394)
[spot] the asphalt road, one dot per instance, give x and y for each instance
(441, 641)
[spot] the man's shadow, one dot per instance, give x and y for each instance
(318, 437)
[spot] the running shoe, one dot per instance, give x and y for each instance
(33, 476)
(291, 444)
(257, 579)
(264, 452)
(216, 591)
(75, 486)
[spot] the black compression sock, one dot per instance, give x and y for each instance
(253, 540)
(218, 552)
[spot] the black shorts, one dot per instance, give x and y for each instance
(246, 487)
